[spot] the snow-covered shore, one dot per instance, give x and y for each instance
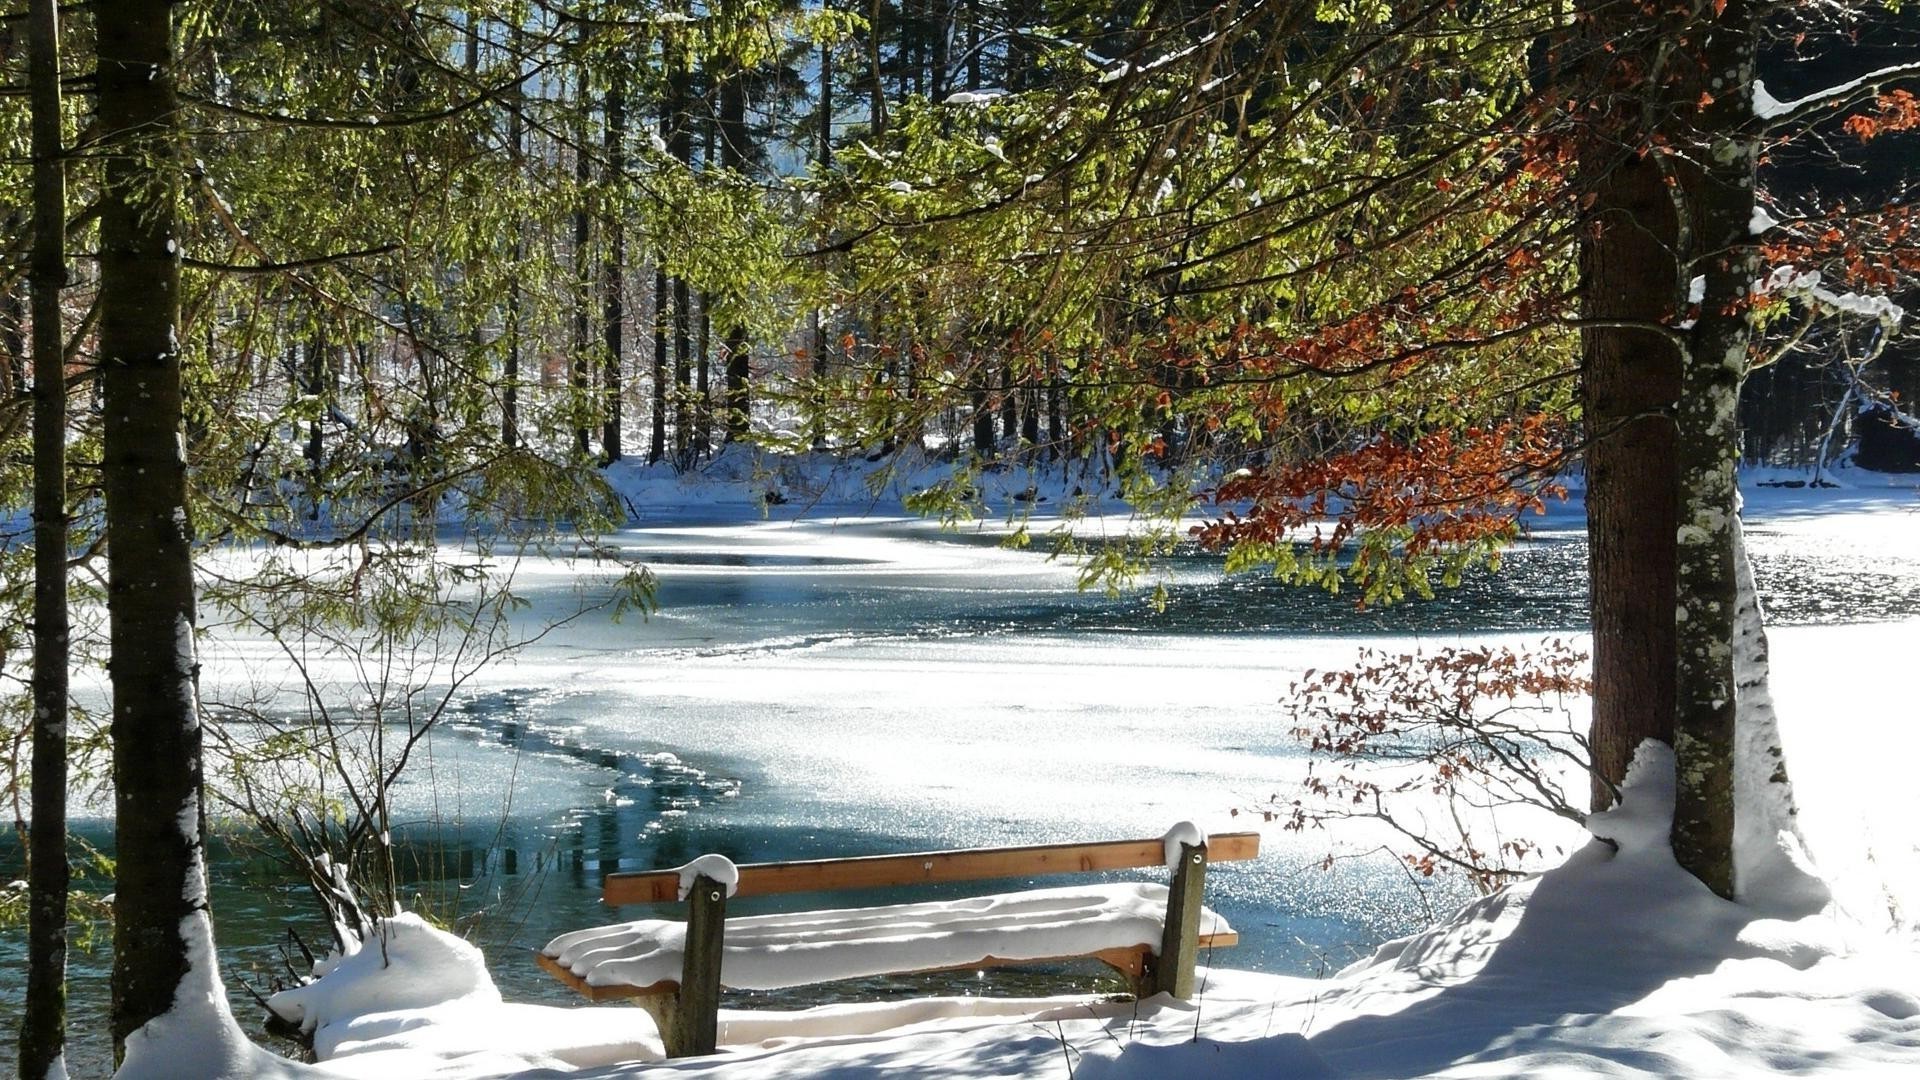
(1613, 964)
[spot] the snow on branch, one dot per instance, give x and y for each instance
(1806, 286)
(1782, 114)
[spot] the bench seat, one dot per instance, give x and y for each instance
(1119, 923)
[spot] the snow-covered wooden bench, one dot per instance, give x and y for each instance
(1150, 933)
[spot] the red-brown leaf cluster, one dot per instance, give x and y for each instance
(1448, 488)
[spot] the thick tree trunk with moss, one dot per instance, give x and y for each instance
(1718, 189)
(43, 1025)
(160, 881)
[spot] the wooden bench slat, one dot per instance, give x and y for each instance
(966, 864)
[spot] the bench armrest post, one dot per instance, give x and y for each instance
(1180, 940)
(694, 1026)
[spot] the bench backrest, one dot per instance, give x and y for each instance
(965, 864)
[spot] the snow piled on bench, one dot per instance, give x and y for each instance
(1183, 835)
(715, 868)
(769, 952)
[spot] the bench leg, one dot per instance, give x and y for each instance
(665, 1010)
(1172, 971)
(689, 1019)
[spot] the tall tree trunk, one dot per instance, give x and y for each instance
(160, 890)
(1009, 402)
(678, 108)
(615, 267)
(939, 59)
(876, 90)
(1717, 183)
(13, 327)
(981, 399)
(657, 446)
(733, 157)
(582, 379)
(683, 435)
(510, 393)
(1630, 378)
(316, 387)
(43, 1027)
(823, 157)
(1056, 416)
(702, 388)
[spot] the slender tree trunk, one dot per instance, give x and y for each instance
(733, 156)
(160, 878)
(1056, 417)
(739, 406)
(981, 399)
(876, 90)
(43, 1027)
(683, 434)
(1009, 402)
(702, 388)
(510, 393)
(582, 378)
(657, 446)
(316, 379)
(13, 328)
(615, 267)
(939, 59)
(680, 145)
(823, 156)
(1718, 186)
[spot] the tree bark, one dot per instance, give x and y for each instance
(985, 440)
(13, 328)
(1630, 379)
(683, 434)
(657, 446)
(510, 392)
(733, 156)
(615, 271)
(160, 879)
(679, 138)
(43, 1025)
(582, 380)
(702, 384)
(1717, 185)
(823, 157)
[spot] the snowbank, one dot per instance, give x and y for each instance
(1615, 964)
(415, 1001)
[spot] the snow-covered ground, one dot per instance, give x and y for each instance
(1613, 964)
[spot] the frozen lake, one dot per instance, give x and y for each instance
(828, 688)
